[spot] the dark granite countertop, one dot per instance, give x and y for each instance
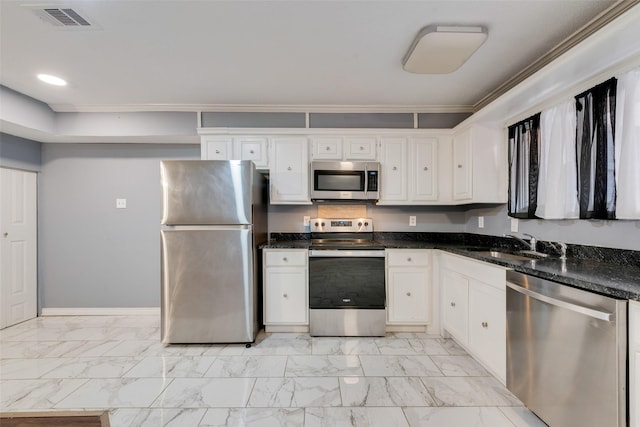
(611, 272)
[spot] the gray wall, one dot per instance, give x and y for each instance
(612, 234)
(19, 153)
(90, 253)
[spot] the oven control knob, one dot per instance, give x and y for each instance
(316, 224)
(359, 224)
(366, 224)
(322, 224)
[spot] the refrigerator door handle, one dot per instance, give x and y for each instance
(207, 227)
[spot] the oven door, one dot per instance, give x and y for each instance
(347, 293)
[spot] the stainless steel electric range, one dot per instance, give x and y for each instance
(346, 279)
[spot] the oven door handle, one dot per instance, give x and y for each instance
(341, 253)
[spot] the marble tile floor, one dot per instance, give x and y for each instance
(118, 363)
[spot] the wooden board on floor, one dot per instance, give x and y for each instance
(342, 211)
(55, 419)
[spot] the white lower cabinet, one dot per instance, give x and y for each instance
(285, 290)
(455, 305)
(634, 364)
(408, 286)
(487, 326)
(473, 306)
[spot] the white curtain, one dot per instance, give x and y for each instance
(557, 184)
(627, 145)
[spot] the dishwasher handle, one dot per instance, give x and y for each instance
(602, 315)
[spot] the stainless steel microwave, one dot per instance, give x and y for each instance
(345, 180)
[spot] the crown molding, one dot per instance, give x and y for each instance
(255, 108)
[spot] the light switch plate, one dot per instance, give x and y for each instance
(121, 203)
(480, 222)
(514, 225)
(412, 221)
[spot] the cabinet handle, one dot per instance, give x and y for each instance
(328, 148)
(250, 151)
(361, 148)
(394, 168)
(408, 294)
(217, 151)
(6, 234)
(426, 168)
(285, 296)
(485, 325)
(284, 258)
(409, 259)
(459, 166)
(453, 304)
(289, 168)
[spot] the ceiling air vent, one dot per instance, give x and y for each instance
(63, 17)
(67, 17)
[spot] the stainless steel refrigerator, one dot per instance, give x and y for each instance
(213, 220)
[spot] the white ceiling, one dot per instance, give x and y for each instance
(154, 55)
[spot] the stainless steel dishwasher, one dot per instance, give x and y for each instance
(566, 353)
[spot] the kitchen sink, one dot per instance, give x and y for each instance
(509, 256)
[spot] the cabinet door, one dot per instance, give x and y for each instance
(393, 162)
(216, 147)
(487, 326)
(455, 301)
(285, 296)
(360, 148)
(254, 149)
(407, 289)
(326, 148)
(289, 171)
(462, 173)
(424, 175)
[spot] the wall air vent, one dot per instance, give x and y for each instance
(63, 18)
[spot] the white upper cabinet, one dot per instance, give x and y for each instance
(252, 148)
(462, 166)
(480, 165)
(423, 174)
(393, 169)
(360, 148)
(326, 148)
(344, 148)
(289, 171)
(216, 147)
(226, 147)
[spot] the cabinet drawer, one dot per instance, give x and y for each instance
(286, 258)
(407, 258)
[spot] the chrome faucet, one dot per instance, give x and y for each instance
(562, 250)
(531, 244)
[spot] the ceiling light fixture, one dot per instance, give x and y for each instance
(442, 49)
(52, 80)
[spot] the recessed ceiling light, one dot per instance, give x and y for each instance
(442, 49)
(52, 80)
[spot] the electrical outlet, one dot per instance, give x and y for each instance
(514, 225)
(412, 221)
(306, 220)
(121, 203)
(480, 222)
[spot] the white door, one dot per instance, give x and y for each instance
(18, 246)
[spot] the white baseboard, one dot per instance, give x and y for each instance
(102, 311)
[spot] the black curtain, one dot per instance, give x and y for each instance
(595, 125)
(524, 164)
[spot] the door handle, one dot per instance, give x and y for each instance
(6, 234)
